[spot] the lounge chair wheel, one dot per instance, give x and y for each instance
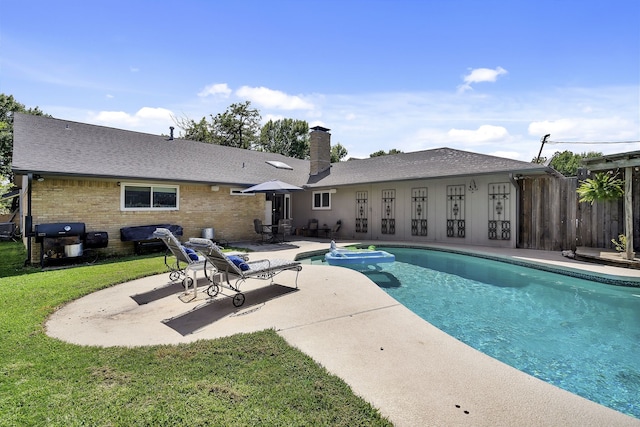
(213, 290)
(238, 299)
(174, 276)
(187, 282)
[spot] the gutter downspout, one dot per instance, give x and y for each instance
(514, 181)
(28, 220)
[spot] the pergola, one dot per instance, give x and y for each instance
(627, 161)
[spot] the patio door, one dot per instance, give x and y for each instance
(268, 213)
(279, 207)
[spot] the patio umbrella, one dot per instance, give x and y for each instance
(273, 186)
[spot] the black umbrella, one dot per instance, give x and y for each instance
(273, 186)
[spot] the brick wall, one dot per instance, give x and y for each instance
(97, 204)
(319, 151)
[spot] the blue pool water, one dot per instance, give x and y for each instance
(579, 335)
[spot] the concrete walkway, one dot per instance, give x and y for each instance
(414, 373)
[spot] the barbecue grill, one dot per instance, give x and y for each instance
(60, 240)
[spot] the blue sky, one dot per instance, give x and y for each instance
(490, 76)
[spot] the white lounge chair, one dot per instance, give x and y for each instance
(239, 268)
(181, 261)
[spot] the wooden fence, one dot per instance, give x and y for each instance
(551, 218)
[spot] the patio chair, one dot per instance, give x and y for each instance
(240, 269)
(312, 228)
(283, 230)
(181, 260)
(334, 230)
(7, 231)
(265, 231)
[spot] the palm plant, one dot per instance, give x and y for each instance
(602, 186)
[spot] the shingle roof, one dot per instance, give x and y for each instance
(47, 145)
(435, 163)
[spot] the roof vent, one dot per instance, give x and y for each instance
(171, 133)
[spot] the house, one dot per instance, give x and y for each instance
(110, 178)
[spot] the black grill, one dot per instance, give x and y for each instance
(68, 240)
(59, 241)
(96, 239)
(59, 229)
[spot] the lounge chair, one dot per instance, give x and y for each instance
(181, 261)
(239, 268)
(7, 231)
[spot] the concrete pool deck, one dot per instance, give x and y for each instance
(415, 374)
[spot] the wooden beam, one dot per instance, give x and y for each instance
(613, 164)
(628, 211)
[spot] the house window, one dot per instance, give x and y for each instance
(362, 210)
(388, 213)
(419, 211)
(499, 211)
(321, 200)
(149, 197)
(455, 211)
(238, 192)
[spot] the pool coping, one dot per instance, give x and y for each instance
(566, 270)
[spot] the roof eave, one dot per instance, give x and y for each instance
(524, 172)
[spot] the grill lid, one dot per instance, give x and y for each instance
(60, 229)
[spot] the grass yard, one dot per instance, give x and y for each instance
(247, 379)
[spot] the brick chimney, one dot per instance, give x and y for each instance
(319, 150)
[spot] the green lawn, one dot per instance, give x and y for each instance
(247, 379)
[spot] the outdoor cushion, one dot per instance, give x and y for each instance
(191, 253)
(239, 262)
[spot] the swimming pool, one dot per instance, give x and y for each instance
(579, 335)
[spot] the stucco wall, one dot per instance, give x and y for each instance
(97, 204)
(476, 200)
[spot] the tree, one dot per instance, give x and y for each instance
(196, 131)
(382, 153)
(541, 160)
(603, 186)
(288, 137)
(567, 163)
(8, 106)
(338, 152)
(238, 126)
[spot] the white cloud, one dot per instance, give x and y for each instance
(270, 98)
(558, 127)
(586, 129)
(274, 117)
(146, 119)
(508, 154)
(480, 75)
(484, 134)
(508, 125)
(216, 89)
(114, 118)
(153, 113)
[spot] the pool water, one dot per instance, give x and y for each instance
(579, 335)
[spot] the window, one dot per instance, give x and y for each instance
(238, 192)
(321, 200)
(148, 197)
(279, 165)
